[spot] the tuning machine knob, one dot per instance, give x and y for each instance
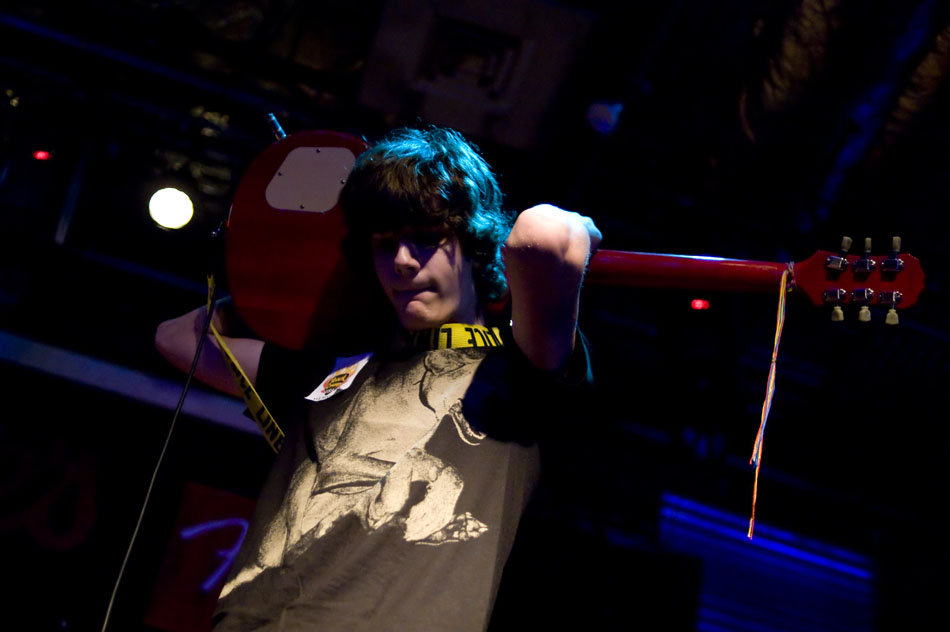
(891, 298)
(839, 263)
(835, 296)
(893, 264)
(863, 297)
(865, 265)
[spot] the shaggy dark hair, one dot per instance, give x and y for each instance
(429, 177)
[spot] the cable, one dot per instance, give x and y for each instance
(161, 458)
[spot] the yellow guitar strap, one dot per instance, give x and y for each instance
(457, 336)
(269, 428)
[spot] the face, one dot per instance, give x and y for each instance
(425, 276)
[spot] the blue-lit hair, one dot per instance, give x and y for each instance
(429, 177)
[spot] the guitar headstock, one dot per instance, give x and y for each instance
(838, 279)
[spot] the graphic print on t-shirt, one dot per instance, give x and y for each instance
(368, 459)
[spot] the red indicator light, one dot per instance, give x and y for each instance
(40, 154)
(699, 303)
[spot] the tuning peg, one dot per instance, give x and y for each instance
(893, 263)
(865, 264)
(845, 245)
(839, 263)
(862, 296)
(835, 297)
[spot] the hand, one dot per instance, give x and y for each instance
(592, 231)
(571, 219)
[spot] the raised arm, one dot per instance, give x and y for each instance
(545, 257)
(177, 339)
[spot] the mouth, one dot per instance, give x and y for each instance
(408, 295)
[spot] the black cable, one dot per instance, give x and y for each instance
(161, 457)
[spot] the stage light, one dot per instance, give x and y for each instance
(42, 154)
(170, 208)
(699, 303)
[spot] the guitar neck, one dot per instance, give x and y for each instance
(642, 269)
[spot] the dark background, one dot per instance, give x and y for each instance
(747, 129)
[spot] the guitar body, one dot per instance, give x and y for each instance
(286, 273)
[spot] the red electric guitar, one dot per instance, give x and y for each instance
(283, 254)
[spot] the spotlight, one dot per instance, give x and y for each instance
(699, 303)
(170, 208)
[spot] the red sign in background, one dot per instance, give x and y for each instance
(210, 527)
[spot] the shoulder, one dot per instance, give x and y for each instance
(285, 374)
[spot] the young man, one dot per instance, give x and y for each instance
(395, 498)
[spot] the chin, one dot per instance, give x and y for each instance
(417, 322)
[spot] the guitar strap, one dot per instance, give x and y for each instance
(457, 336)
(255, 406)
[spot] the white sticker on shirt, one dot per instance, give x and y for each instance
(341, 377)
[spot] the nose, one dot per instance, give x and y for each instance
(405, 261)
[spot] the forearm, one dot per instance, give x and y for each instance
(177, 340)
(545, 257)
